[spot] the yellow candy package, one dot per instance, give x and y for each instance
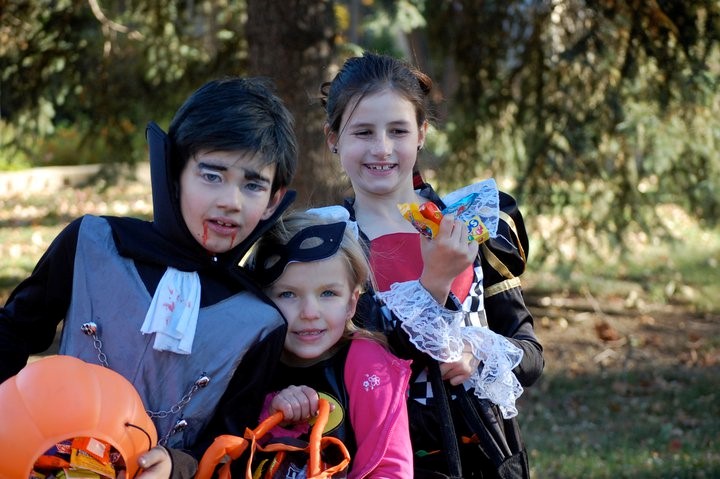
(411, 212)
(476, 229)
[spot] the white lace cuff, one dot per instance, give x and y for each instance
(441, 334)
(495, 380)
(432, 329)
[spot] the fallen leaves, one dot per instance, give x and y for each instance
(606, 332)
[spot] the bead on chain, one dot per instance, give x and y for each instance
(179, 426)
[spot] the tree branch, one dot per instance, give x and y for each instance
(106, 22)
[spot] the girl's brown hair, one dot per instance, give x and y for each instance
(371, 73)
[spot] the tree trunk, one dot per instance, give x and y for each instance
(292, 42)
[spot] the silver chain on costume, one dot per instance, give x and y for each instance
(177, 407)
(91, 329)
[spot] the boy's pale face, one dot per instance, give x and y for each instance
(223, 197)
(317, 300)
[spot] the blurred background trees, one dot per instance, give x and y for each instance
(592, 113)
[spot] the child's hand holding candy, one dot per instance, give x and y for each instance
(427, 216)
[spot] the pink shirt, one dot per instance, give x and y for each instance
(377, 383)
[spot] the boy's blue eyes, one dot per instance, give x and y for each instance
(212, 177)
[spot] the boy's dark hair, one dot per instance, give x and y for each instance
(236, 114)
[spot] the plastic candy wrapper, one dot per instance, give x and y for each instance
(427, 216)
(412, 213)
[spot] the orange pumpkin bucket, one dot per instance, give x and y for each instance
(61, 397)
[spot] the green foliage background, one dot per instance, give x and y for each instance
(592, 113)
(601, 116)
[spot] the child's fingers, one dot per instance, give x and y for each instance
(293, 408)
(296, 402)
(155, 463)
(455, 373)
(454, 238)
(454, 231)
(313, 399)
(460, 371)
(447, 226)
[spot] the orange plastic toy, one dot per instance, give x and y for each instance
(62, 397)
(233, 447)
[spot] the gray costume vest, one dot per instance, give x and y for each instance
(108, 291)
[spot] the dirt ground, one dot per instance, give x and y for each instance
(587, 334)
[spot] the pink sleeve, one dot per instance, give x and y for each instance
(377, 384)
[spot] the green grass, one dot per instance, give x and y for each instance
(660, 416)
(655, 423)
(685, 270)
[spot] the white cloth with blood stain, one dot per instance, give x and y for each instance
(173, 312)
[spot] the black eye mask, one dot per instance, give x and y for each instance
(310, 244)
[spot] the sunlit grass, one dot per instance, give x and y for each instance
(654, 423)
(683, 269)
(29, 221)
